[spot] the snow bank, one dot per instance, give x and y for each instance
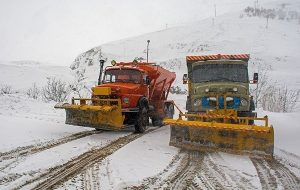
(286, 130)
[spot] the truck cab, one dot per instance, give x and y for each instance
(218, 82)
(128, 84)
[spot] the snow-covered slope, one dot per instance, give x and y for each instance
(276, 45)
(22, 74)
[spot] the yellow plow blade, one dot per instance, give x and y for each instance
(213, 136)
(105, 116)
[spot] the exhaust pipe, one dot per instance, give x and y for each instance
(102, 61)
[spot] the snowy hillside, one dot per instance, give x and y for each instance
(21, 75)
(277, 45)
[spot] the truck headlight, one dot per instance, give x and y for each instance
(197, 102)
(126, 100)
(244, 102)
(229, 98)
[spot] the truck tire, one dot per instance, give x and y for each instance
(252, 105)
(252, 114)
(142, 120)
(248, 114)
(156, 121)
(169, 110)
(188, 104)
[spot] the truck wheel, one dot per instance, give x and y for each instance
(252, 114)
(156, 121)
(252, 105)
(248, 114)
(142, 121)
(169, 110)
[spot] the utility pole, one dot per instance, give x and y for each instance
(215, 10)
(255, 7)
(148, 41)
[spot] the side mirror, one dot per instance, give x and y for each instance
(185, 79)
(148, 80)
(255, 78)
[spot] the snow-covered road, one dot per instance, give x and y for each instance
(37, 147)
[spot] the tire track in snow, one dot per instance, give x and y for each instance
(267, 180)
(179, 174)
(159, 180)
(273, 174)
(96, 176)
(196, 170)
(59, 174)
(289, 160)
(31, 149)
(215, 174)
(16, 154)
(284, 175)
(183, 179)
(91, 179)
(237, 179)
(210, 176)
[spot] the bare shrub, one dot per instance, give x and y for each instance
(177, 90)
(280, 99)
(270, 95)
(33, 92)
(263, 82)
(6, 89)
(79, 85)
(279, 13)
(172, 64)
(55, 90)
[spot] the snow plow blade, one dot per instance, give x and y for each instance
(103, 114)
(253, 140)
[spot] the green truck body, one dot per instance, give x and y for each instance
(214, 84)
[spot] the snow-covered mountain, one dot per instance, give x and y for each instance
(275, 43)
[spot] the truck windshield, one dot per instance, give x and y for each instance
(220, 72)
(122, 75)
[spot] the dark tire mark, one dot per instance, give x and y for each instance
(283, 176)
(185, 176)
(27, 150)
(15, 155)
(59, 174)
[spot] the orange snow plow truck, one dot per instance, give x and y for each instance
(128, 95)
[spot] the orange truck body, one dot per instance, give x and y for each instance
(156, 92)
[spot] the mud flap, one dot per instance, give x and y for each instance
(257, 141)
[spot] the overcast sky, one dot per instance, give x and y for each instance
(56, 31)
